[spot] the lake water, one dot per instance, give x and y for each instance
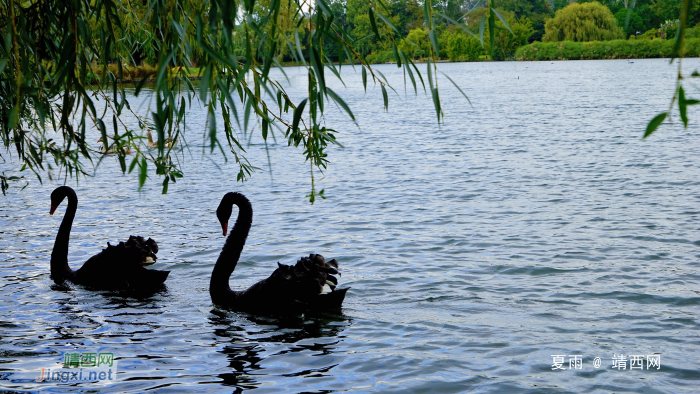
(536, 223)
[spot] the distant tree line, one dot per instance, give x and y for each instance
(526, 20)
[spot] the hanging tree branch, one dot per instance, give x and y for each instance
(57, 57)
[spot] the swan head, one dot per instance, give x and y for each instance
(57, 197)
(223, 212)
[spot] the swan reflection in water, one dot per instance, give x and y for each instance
(108, 315)
(150, 341)
(302, 342)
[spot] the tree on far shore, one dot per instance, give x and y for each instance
(629, 21)
(582, 22)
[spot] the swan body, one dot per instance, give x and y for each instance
(308, 285)
(114, 149)
(116, 267)
(153, 145)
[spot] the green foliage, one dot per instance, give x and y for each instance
(629, 21)
(693, 32)
(285, 26)
(651, 34)
(650, 19)
(538, 22)
(537, 11)
(506, 42)
(616, 49)
(668, 29)
(361, 28)
(462, 47)
(417, 44)
(651, 12)
(381, 57)
(525, 8)
(582, 22)
(667, 10)
(559, 4)
(409, 14)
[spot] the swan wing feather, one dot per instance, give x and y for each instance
(309, 284)
(122, 266)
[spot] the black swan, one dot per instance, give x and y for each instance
(115, 268)
(307, 286)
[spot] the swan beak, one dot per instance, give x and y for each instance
(53, 209)
(224, 226)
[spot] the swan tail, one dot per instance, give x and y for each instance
(311, 281)
(318, 273)
(149, 278)
(331, 300)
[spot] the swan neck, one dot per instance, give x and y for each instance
(59, 257)
(231, 252)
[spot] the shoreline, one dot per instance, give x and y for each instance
(539, 51)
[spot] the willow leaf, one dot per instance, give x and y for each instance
(654, 124)
(298, 111)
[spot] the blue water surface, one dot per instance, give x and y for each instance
(533, 223)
